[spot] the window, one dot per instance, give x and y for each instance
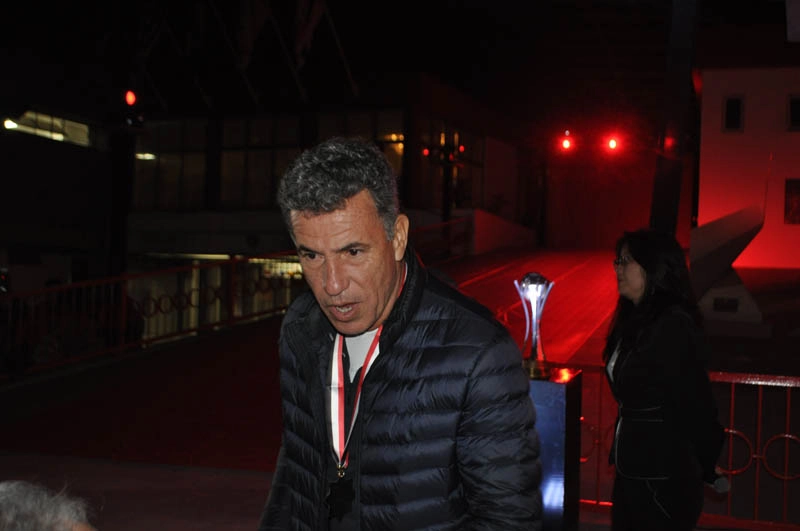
(794, 113)
(233, 133)
(259, 178)
(170, 169)
(261, 131)
(232, 174)
(732, 120)
(52, 127)
(360, 124)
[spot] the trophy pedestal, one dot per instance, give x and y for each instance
(537, 369)
(557, 399)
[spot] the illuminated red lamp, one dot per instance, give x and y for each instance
(612, 143)
(669, 142)
(426, 152)
(563, 375)
(566, 143)
(130, 98)
(461, 148)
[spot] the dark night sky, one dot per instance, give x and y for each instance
(550, 52)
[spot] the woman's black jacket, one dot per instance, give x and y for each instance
(667, 423)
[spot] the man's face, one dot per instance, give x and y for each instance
(352, 268)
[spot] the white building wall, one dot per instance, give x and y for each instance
(750, 167)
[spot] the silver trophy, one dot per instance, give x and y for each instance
(533, 290)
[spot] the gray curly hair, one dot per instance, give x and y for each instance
(323, 177)
(25, 506)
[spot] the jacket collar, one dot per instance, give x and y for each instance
(407, 303)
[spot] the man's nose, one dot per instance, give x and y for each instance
(335, 278)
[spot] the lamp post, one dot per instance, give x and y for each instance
(533, 290)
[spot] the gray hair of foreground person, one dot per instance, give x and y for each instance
(322, 178)
(25, 506)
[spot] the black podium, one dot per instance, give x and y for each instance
(557, 400)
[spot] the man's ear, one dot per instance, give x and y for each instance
(400, 239)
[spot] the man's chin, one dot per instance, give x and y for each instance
(348, 328)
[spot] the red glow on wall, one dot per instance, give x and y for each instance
(697, 82)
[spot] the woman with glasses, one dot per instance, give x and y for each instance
(667, 437)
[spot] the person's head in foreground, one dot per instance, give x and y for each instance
(25, 506)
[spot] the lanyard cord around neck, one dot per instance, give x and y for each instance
(340, 434)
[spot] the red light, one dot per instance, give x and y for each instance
(565, 143)
(612, 143)
(669, 142)
(426, 152)
(130, 98)
(563, 376)
(461, 149)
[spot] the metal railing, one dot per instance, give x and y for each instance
(62, 325)
(761, 455)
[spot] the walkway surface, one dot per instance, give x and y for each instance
(184, 436)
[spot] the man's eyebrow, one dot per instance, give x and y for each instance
(304, 249)
(348, 247)
(353, 245)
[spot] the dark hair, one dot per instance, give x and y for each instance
(667, 283)
(323, 177)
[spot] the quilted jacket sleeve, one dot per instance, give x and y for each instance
(274, 516)
(498, 447)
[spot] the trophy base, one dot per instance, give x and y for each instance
(537, 369)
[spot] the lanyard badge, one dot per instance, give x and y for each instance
(340, 495)
(340, 433)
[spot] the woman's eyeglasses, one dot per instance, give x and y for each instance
(622, 261)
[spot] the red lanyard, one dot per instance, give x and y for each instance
(340, 438)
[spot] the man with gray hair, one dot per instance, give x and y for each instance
(25, 506)
(405, 405)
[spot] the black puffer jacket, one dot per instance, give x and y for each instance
(447, 438)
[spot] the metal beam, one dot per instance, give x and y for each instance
(178, 48)
(351, 81)
(669, 168)
(287, 55)
(232, 49)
